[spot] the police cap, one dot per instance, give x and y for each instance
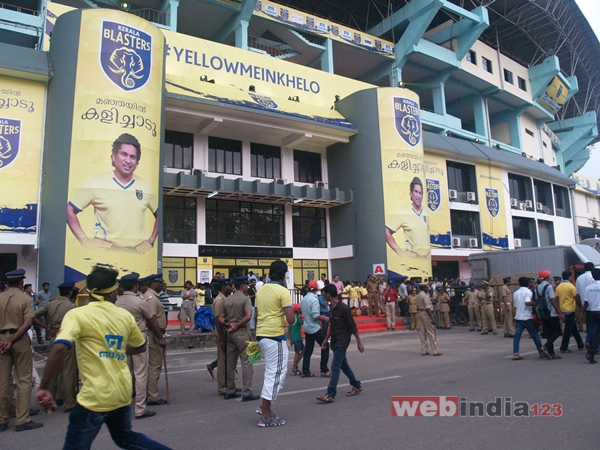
(143, 281)
(238, 281)
(471, 283)
(225, 281)
(485, 281)
(15, 275)
(507, 279)
(133, 276)
(66, 285)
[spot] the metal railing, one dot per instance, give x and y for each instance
(19, 9)
(279, 51)
(153, 15)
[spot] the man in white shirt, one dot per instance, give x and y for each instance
(321, 282)
(591, 309)
(583, 281)
(522, 299)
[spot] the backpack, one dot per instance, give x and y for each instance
(540, 308)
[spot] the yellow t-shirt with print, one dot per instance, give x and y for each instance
(270, 301)
(415, 226)
(119, 210)
(565, 292)
(101, 332)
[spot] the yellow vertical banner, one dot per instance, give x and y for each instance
(404, 194)
(438, 205)
(113, 194)
(21, 126)
(490, 193)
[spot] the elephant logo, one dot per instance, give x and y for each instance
(125, 55)
(433, 194)
(491, 201)
(408, 120)
(10, 140)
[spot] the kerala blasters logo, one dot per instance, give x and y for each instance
(125, 55)
(491, 201)
(173, 276)
(377, 45)
(357, 38)
(335, 30)
(139, 194)
(407, 120)
(310, 22)
(258, 6)
(284, 13)
(10, 140)
(267, 102)
(433, 194)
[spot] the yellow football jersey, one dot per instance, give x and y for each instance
(415, 226)
(120, 211)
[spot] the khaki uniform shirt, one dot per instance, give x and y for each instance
(236, 305)
(156, 308)
(372, 287)
(423, 301)
(487, 296)
(15, 306)
(444, 300)
(472, 297)
(139, 309)
(412, 303)
(55, 310)
(508, 294)
(217, 308)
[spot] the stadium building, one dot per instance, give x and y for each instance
(292, 130)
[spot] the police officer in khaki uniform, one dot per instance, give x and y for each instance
(471, 301)
(507, 302)
(235, 317)
(444, 308)
(138, 364)
(225, 288)
(435, 306)
(373, 295)
(486, 296)
(427, 324)
(156, 351)
(54, 311)
(16, 317)
(412, 310)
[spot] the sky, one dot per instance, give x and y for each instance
(591, 10)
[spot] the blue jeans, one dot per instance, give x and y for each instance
(532, 328)
(570, 329)
(591, 327)
(84, 426)
(340, 362)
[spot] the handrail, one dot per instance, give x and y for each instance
(152, 15)
(20, 9)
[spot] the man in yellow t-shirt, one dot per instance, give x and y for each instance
(120, 200)
(569, 302)
(273, 305)
(413, 220)
(104, 335)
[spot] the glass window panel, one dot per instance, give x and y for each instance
(179, 219)
(187, 158)
(220, 161)
(168, 161)
(237, 163)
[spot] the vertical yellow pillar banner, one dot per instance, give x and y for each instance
(490, 193)
(112, 210)
(437, 201)
(404, 184)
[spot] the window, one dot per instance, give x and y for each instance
(266, 161)
(520, 187)
(179, 150)
(546, 230)
(309, 227)
(522, 84)
(224, 156)
(561, 199)
(544, 144)
(464, 223)
(472, 57)
(543, 195)
(524, 229)
(461, 178)
(508, 76)
(244, 223)
(486, 64)
(179, 219)
(307, 167)
(529, 132)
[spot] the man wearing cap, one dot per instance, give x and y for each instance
(235, 317)
(551, 325)
(471, 301)
(138, 364)
(225, 288)
(486, 296)
(312, 330)
(426, 321)
(444, 307)
(156, 352)
(507, 302)
(390, 295)
(413, 310)
(54, 312)
(373, 295)
(120, 200)
(16, 317)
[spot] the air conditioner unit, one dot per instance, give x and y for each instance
(319, 184)
(529, 204)
(452, 194)
(473, 242)
(455, 242)
(471, 197)
(514, 203)
(279, 181)
(523, 206)
(517, 243)
(539, 206)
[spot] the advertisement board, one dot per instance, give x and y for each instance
(490, 193)
(438, 206)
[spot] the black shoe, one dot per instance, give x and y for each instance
(478, 329)
(146, 414)
(29, 426)
(249, 398)
(472, 329)
(60, 402)
(210, 371)
(236, 391)
(34, 412)
(590, 358)
(3, 427)
(230, 396)
(160, 401)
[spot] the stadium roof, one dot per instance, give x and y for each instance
(527, 31)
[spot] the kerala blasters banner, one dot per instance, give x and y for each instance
(21, 128)
(113, 194)
(404, 184)
(436, 179)
(494, 232)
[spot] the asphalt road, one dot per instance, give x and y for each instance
(474, 367)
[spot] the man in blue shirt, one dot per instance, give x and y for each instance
(552, 325)
(313, 332)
